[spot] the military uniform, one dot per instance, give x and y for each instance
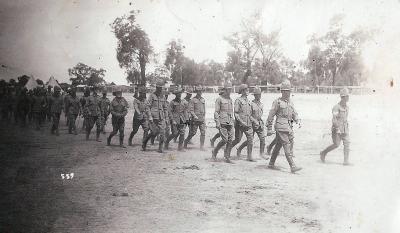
(105, 111)
(66, 100)
(38, 103)
(285, 114)
(139, 118)
(223, 117)
(258, 125)
(119, 108)
(49, 96)
(179, 120)
(340, 129)
(56, 104)
(93, 115)
(23, 107)
(73, 106)
(244, 122)
(156, 113)
(197, 112)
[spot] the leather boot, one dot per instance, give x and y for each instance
(121, 142)
(346, 157)
(262, 146)
(180, 145)
(160, 146)
(249, 153)
(240, 148)
(227, 153)
(130, 139)
(293, 167)
(109, 140)
(185, 143)
(202, 139)
(98, 136)
(145, 140)
(216, 149)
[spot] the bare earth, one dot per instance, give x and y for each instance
(127, 190)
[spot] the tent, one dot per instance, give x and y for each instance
(31, 84)
(52, 82)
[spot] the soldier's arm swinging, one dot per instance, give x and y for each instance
(216, 113)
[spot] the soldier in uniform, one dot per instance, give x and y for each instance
(49, 95)
(38, 103)
(197, 111)
(84, 99)
(140, 115)
(56, 104)
(283, 109)
(217, 135)
(23, 106)
(105, 109)
(167, 116)
(178, 119)
(156, 112)
(119, 108)
(223, 117)
(258, 125)
(66, 99)
(340, 127)
(73, 106)
(244, 121)
(93, 115)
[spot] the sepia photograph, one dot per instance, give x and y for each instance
(212, 116)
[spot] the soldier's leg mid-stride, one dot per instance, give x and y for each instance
(213, 139)
(226, 132)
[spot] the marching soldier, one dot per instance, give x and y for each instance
(66, 99)
(156, 112)
(22, 107)
(244, 121)
(340, 127)
(119, 108)
(105, 109)
(283, 110)
(93, 115)
(140, 115)
(49, 95)
(178, 119)
(217, 135)
(73, 107)
(223, 117)
(56, 104)
(38, 103)
(197, 111)
(84, 99)
(167, 116)
(258, 125)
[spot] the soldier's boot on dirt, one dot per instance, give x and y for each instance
(152, 140)
(227, 153)
(240, 148)
(180, 145)
(272, 160)
(98, 136)
(262, 146)
(249, 153)
(130, 138)
(121, 142)
(216, 149)
(202, 139)
(346, 157)
(145, 140)
(293, 167)
(160, 146)
(185, 143)
(109, 138)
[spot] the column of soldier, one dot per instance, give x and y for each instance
(168, 120)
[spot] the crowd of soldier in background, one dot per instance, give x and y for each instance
(168, 121)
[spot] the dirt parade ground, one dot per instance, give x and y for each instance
(127, 190)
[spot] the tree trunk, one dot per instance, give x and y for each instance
(142, 62)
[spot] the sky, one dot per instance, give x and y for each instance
(46, 37)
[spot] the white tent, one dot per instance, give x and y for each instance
(31, 84)
(52, 82)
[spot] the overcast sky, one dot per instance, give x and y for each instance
(46, 37)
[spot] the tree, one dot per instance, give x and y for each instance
(339, 54)
(22, 80)
(39, 82)
(244, 43)
(174, 60)
(134, 47)
(82, 74)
